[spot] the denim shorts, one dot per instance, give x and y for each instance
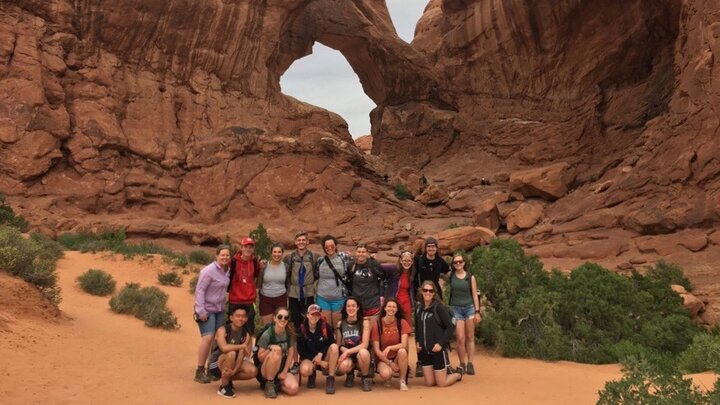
(214, 322)
(329, 305)
(465, 312)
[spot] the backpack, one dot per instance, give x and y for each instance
(374, 268)
(339, 277)
(322, 324)
(291, 262)
(469, 281)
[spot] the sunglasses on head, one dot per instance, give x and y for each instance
(428, 290)
(282, 317)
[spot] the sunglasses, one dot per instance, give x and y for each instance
(282, 317)
(458, 262)
(428, 290)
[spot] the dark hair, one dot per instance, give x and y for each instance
(400, 312)
(277, 245)
(222, 247)
(237, 309)
(327, 238)
(361, 246)
(360, 318)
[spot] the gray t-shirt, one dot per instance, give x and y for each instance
(328, 287)
(273, 280)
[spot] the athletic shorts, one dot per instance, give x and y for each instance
(439, 361)
(463, 313)
(214, 322)
(329, 305)
(371, 311)
(268, 305)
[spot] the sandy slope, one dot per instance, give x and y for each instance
(98, 356)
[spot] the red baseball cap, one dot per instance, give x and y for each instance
(248, 241)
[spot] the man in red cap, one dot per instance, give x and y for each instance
(244, 271)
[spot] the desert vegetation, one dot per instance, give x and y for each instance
(146, 303)
(96, 282)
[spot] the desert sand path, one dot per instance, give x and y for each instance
(97, 356)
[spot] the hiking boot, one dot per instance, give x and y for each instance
(226, 391)
(461, 368)
(403, 385)
(418, 370)
(387, 384)
(367, 383)
(350, 380)
(311, 380)
(270, 390)
(294, 368)
(330, 385)
(201, 376)
(470, 369)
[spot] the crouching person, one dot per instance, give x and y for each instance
(390, 343)
(317, 348)
(230, 358)
(353, 337)
(274, 350)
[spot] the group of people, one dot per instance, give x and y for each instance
(333, 313)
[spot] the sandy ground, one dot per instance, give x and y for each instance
(91, 355)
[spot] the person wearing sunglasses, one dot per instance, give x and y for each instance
(317, 349)
(433, 330)
(353, 336)
(230, 358)
(466, 309)
(274, 348)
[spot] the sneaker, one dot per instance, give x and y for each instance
(460, 369)
(418, 370)
(470, 369)
(311, 380)
(350, 380)
(330, 385)
(226, 391)
(387, 384)
(201, 376)
(403, 385)
(294, 368)
(270, 390)
(367, 383)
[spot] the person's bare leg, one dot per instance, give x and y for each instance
(428, 376)
(336, 317)
(332, 358)
(443, 379)
(306, 368)
(271, 366)
(204, 349)
(364, 361)
(290, 385)
(247, 371)
(470, 339)
(402, 362)
(385, 372)
(460, 341)
(226, 361)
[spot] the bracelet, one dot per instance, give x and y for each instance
(477, 311)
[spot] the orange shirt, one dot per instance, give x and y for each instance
(390, 335)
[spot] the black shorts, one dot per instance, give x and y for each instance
(439, 361)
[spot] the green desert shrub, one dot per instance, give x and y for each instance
(263, 243)
(200, 257)
(96, 282)
(9, 218)
(170, 278)
(581, 317)
(703, 354)
(29, 260)
(113, 241)
(402, 193)
(146, 303)
(668, 273)
(645, 383)
(193, 283)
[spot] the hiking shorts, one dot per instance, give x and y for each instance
(268, 305)
(438, 360)
(214, 322)
(330, 305)
(464, 312)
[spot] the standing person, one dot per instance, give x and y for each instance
(390, 342)
(317, 349)
(271, 281)
(209, 304)
(230, 358)
(275, 347)
(353, 336)
(466, 308)
(429, 266)
(401, 287)
(301, 278)
(433, 331)
(366, 282)
(331, 281)
(244, 270)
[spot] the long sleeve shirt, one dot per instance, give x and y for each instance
(210, 289)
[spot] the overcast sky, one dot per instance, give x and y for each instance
(325, 78)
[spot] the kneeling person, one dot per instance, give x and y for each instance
(230, 358)
(317, 348)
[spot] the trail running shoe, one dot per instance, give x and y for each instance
(403, 385)
(201, 376)
(311, 380)
(226, 391)
(350, 380)
(294, 368)
(270, 390)
(367, 383)
(470, 369)
(330, 385)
